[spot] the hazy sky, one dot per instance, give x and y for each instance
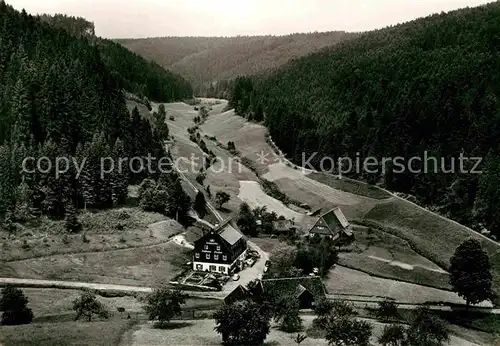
(149, 18)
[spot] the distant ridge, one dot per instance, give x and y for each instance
(207, 59)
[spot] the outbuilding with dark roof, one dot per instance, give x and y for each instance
(332, 224)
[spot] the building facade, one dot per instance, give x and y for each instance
(221, 250)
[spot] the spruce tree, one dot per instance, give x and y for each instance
(119, 176)
(72, 223)
(200, 204)
(14, 307)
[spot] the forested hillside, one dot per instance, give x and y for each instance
(132, 72)
(61, 96)
(204, 60)
(428, 85)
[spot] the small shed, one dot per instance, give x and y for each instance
(305, 297)
(284, 226)
(306, 289)
(239, 293)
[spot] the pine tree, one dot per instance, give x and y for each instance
(20, 110)
(7, 182)
(72, 223)
(119, 176)
(200, 204)
(14, 307)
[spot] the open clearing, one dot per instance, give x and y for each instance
(343, 280)
(120, 246)
(201, 332)
(251, 192)
(103, 333)
(383, 254)
(104, 230)
(144, 266)
(432, 236)
(349, 185)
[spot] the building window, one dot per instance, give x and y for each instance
(218, 247)
(224, 257)
(211, 240)
(207, 256)
(222, 269)
(216, 257)
(199, 267)
(213, 268)
(197, 255)
(206, 247)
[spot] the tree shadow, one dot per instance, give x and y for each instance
(224, 210)
(172, 325)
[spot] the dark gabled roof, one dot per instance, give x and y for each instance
(315, 212)
(300, 289)
(331, 223)
(239, 293)
(294, 286)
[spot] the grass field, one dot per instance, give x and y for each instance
(341, 280)
(143, 266)
(54, 323)
(348, 185)
(105, 333)
(103, 230)
(385, 255)
(267, 244)
(201, 332)
(434, 237)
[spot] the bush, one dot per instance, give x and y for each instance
(387, 310)
(163, 304)
(200, 178)
(242, 323)
(87, 305)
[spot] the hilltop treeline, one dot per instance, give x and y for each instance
(60, 96)
(428, 85)
(75, 26)
(206, 60)
(132, 72)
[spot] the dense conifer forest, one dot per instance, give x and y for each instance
(208, 62)
(428, 85)
(131, 72)
(62, 95)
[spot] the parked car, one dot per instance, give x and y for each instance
(250, 262)
(236, 277)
